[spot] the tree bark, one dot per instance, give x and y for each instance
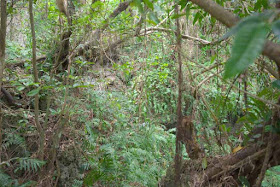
(36, 80)
(64, 47)
(179, 130)
(3, 30)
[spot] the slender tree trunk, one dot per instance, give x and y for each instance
(245, 89)
(178, 155)
(3, 29)
(36, 80)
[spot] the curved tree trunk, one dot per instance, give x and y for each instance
(227, 170)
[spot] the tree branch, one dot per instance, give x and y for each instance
(96, 33)
(271, 50)
(182, 35)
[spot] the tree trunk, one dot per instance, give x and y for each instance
(3, 29)
(36, 80)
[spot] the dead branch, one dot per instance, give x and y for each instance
(21, 63)
(206, 79)
(265, 162)
(269, 69)
(207, 69)
(187, 37)
(235, 87)
(237, 160)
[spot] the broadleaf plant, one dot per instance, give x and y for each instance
(276, 84)
(276, 28)
(253, 19)
(247, 46)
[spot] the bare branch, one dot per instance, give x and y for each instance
(187, 37)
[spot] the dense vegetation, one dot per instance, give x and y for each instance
(139, 93)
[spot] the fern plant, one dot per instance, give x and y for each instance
(29, 164)
(7, 181)
(121, 150)
(12, 138)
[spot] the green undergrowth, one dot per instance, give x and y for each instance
(272, 177)
(122, 150)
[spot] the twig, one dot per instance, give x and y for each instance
(187, 37)
(269, 69)
(252, 95)
(164, 19)
(207, 69)
(265, 162)
(204, 80)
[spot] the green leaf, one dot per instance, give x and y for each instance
(96, 4)
(276, 128)
(196, 17)
(276, 28)
(213, 58)
(138, 3)
(175, 16)
(183, 4)
(261, 3)
(254, 19)
(258, 5)
(92, 176)
(256, 136)
(33, 92)
(213, 20)
(47, 87)
(247, 46)
(20, 88)
(187, 13)
(244, 181)
(153, 18)
(149, 4)
(268, 128)
(276, 84)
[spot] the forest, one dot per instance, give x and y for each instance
(156, 93)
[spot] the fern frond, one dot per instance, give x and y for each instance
(13, 139)
(29, 164)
